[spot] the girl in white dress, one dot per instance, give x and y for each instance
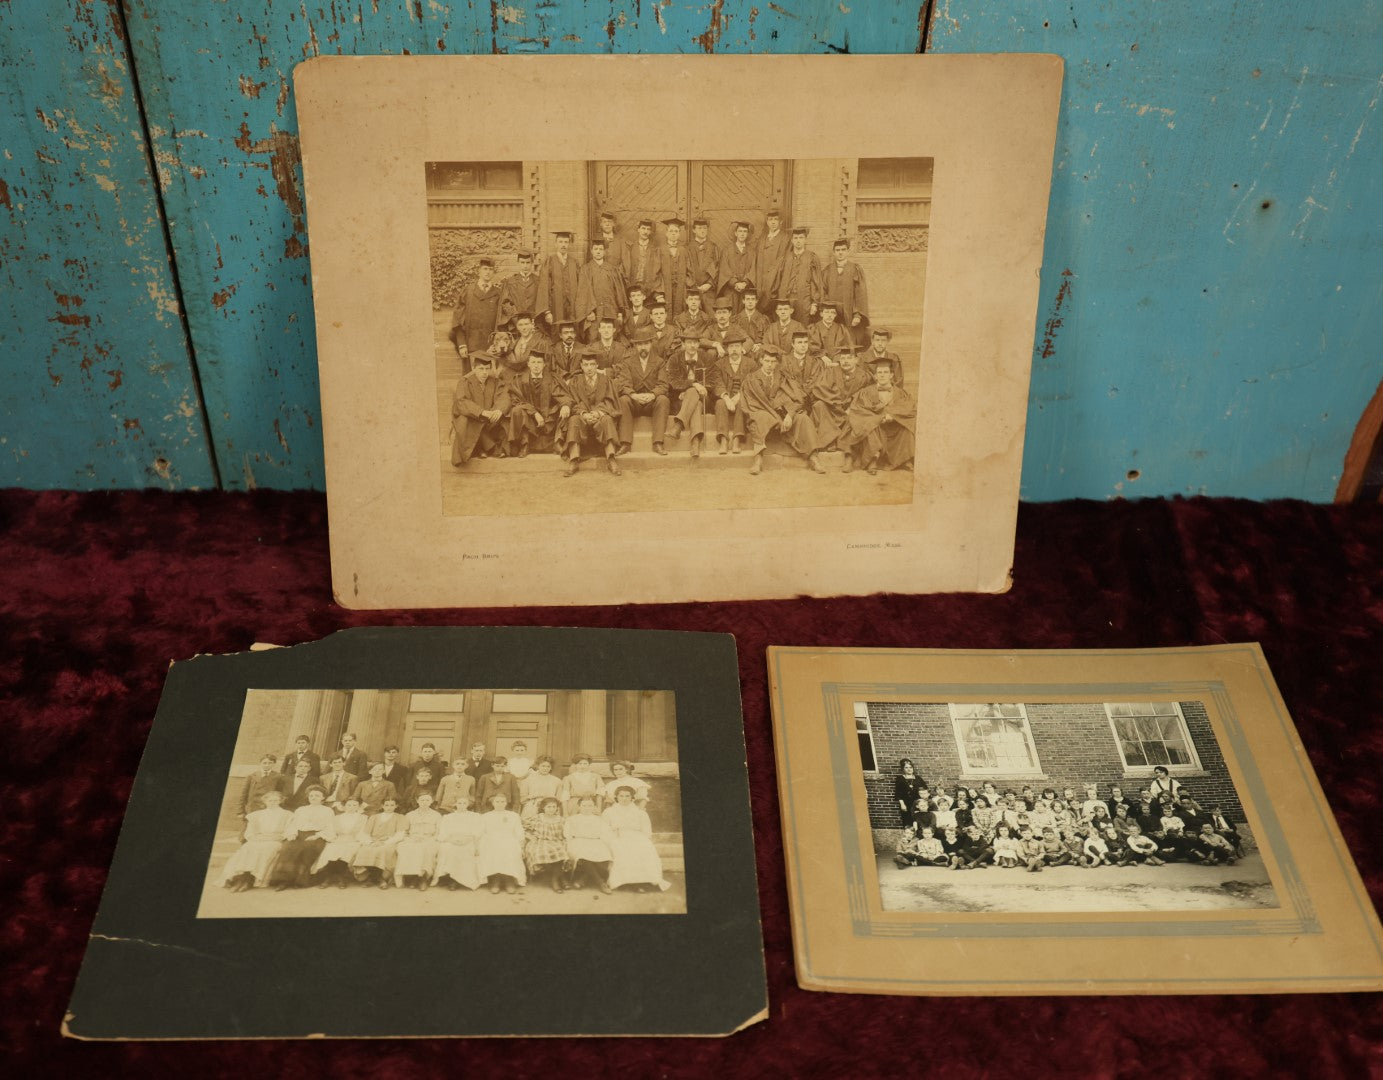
(635, 859)
(539, 784)
(458, 843)
(501, 848)
(252, 863)
(588, 846)
(623, 773)
(336, 857)
(312, 828)
(417, 854)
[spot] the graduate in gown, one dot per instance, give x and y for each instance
(476, 314)
(882, 419)
(773, 401)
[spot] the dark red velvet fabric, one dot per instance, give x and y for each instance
(101, 591)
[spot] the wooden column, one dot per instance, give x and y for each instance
(593, 720)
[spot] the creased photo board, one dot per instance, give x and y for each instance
(917, 787)
(894, 204)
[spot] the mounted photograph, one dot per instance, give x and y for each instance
(1120, 806)
(351, 803)
(697, 322)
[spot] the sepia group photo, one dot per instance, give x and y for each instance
(450, 802)
(654, 335)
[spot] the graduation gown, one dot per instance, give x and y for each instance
(736, 265)
(600, 292)
(799, 280)
(703, 271)
(700, 325)
(892, 443)
(533, 415)
(769, 258)
(831, 397)
(469, 429)
(474, 317)
(767, 400)
(676, 277)
(597, 396)
(846, 287)
(518, 294)
(896, 363)
(563, 362)
(643, 266)
(607, 360)
(557, 286)
(754, 324)
(830, 340)
(514, 363)
(781, 336)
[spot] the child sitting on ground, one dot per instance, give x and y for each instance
(1033, 852)
(1007, 852)
(929, 849)
(1141, 847)
(906, 853)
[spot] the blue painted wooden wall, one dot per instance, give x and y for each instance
(1209, 313)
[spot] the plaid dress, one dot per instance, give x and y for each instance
(547, 842)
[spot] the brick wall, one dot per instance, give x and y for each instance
(1075, 746)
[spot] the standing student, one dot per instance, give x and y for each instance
(301, 753)
(540, 783)
(454, 785)
(395, 771)
(353, 758)
(373, 791)
(258, 784)
(497, 782)
(580, 782)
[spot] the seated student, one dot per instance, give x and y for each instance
(454, 785)
(688, 386)
(945, 816)
(1032, 853)
(540, 783)
(906, 854)
(1062, 816)
(478, 407)
(545, 842)
(779, 333)
(1008, 812)
(664, 336)
(1122, 821)
(1028, 798)
(1007, 850)
(622, 773)
(828, 337)
(564, 358)
(309, 831)
(251, 863)
(1092, 803)
(1227, 829)
(1096, 849)
(973, 851)
(929, 849)
(1141, 847)
(727, 377)
(750, 319)
(1191, 814)
(334, 862)
(883, 423)
(1054, 851)
(458, 846)
(923, 815)
(1170, 815)
(962, 810)
(423, 781)
(638, 317)
(378, 850)
(1118, 850)
(1173, 845)
(373, 791)
(580, 782)
(417, 851)
(1116, 799)
(588, 846)
(694, 318)
(338, 784)
(297, 785)
(806, 370)
(983, 816)
(540, 407)
(950, 843)
(496, 782)
(268, 778)
(642, 385)
(1073, 839)
(1214, 848)
(1042, 817)
(878, 348)
(500, 858)
(429, 759)
(634, 859)
(609, 352)
(1148, 816)
(773, 401)
(594, 412)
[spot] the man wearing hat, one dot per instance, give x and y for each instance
(737, 269)
(519, 291)
(880, 338)
(476, 314)
(614, 246)
(642, 262)
(727, 377)
(883, 423)
(773, 401)
(688, 385)
(828, 337)
(843, 282)
(703, 263)
(772, 249)
(800, 277)
(832, 395)
(477, 412)
(599, 291)
(676, 265)
(715, 338)
(564, 358)
(594, 406)
(557, 284)
(780, 332)
(751, 320)
(643, 390)
(694, 316)
(540, 409)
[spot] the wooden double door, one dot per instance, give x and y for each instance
(720, 191)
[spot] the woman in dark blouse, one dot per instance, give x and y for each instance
(906, 786)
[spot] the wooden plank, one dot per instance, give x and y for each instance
(1210, 315)
(217, 80)
(96, 380)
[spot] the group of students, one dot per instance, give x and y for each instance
(968, 829)
(484, 822)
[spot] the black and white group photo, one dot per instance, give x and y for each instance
(701, 334)
(1034, 806)
(450, 802)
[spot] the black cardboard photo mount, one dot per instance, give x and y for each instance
(153, 970)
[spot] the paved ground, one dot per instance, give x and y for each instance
(373, 903)
(535, 485)
(1174, 887)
